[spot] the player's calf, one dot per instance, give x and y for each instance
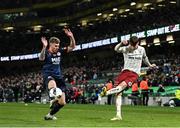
(55, 95)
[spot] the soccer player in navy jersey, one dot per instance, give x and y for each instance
(52, 75)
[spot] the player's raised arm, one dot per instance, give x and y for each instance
(119, 47)
(72, 40)
(42, 53)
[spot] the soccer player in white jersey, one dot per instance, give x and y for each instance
(133, 57)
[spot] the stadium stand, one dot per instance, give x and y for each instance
(99, 30)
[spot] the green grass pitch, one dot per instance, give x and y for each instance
(78, 115)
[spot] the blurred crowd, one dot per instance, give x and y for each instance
(26, 87)
(168, 72)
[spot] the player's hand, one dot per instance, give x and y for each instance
(124, 42)
(153, 66)
(68, 32)
(44, 42)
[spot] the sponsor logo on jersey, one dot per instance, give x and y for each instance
(137, 58)
(55, 60)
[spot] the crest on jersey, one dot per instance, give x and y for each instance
(130, 84)
(58, 53)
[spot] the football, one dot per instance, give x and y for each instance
(55, 92)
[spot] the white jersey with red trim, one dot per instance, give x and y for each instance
(133, 59)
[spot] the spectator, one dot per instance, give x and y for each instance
(109, 86)
(135, 93)
(174, 101)
(144, 91)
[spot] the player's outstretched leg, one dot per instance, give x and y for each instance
(115, 90)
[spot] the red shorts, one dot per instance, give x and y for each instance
(128, 76)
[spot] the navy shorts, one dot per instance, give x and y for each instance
(59, 83)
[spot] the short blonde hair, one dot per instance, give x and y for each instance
(54, 40)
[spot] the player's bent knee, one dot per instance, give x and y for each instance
(61, 102)
(51, 84)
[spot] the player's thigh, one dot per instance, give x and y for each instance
(123, 84)
(51, 84)
(61, 84)
(62, 99)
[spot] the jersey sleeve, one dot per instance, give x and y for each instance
(145, 58)
(122, 49)
(144, 53)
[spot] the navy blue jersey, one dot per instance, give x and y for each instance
(52, 64)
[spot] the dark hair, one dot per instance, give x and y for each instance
(54, 40)
(133, 40)
(110, 80)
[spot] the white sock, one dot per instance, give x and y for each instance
(49, 114)
(114, 90)
(118, 105)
